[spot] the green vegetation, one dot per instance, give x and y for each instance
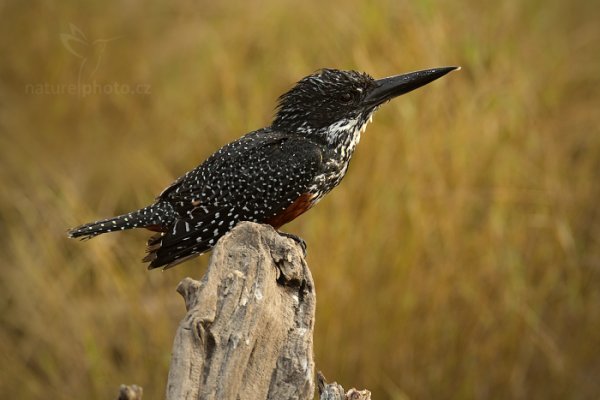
(459, 259)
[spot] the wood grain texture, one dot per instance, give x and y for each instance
(249, 326)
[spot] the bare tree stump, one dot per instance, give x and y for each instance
(249, 326)
(130, 392)
(335, 391)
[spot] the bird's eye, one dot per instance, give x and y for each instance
(346, 97)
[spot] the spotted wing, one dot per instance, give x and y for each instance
(254, 179)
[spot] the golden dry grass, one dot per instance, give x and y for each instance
(459, 259)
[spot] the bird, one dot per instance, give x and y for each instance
(271, 175)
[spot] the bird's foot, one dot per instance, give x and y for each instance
(296, 239)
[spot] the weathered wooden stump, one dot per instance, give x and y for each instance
(248, 331)
(133, 392)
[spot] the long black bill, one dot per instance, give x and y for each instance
(393, 86)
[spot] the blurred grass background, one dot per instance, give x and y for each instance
(459, 259)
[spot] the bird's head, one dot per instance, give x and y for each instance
(331, 104)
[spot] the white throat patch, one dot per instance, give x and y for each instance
(337, 134)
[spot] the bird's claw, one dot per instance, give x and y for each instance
(296, 239)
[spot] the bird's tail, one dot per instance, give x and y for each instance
(153, 217)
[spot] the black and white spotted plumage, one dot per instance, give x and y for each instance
(152, 217)
(251, 179)
(271, 175)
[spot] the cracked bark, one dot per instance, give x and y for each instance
(334, 391)
(248, 330)
(130, 392)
